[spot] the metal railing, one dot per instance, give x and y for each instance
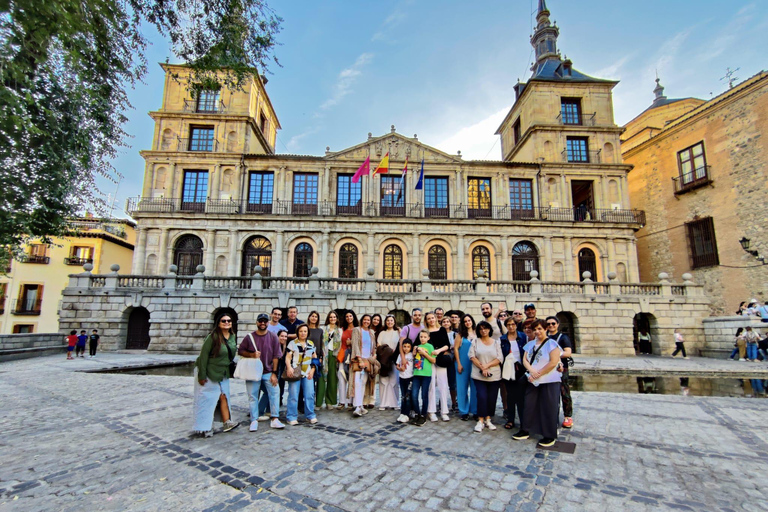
(697, 178)
(577, 119)
(373, 209)
(197, 146)
(192, 106)
(27, 306)
(581, 157)
(76, 227)
(35, 258)
(77, 261)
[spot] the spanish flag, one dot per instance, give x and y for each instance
(383, 166)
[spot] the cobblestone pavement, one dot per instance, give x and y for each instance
(665, 365)
(78, 441)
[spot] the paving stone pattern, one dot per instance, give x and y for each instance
(77, 441)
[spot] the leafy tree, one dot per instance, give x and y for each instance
(65, 66)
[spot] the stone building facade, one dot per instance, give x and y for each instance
(700, 173)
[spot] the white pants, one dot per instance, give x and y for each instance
(361, 379)
(438, 384)
(342, 385)
(389, 390)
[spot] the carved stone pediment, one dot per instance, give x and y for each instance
(398, 146)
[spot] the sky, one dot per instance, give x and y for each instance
(445, 69)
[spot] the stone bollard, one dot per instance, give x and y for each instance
(370, 281)
(169, 283)
(481, 285)
(314, 281)
(111, 279)
(198, 281)
(589, 285)
(426, 284)
(535, 282)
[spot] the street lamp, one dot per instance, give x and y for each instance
(745, 244)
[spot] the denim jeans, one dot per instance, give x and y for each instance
(252, 388)
(308, 388)
(405, 396)
(420, 384)
(752, 351)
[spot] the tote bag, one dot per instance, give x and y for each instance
(249, 368)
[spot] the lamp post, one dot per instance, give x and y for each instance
(745, 244)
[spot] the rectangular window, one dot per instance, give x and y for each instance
(693, 165)
(436, 197)
(79, 255)
(194, 191)
(570, 110)
(392, 197)
(521, 198)
(577, 149)
(207, 101)
(3, 290)
(479, 198)
(348, 196)
(23, 328)
(260, 189)
(516, 130)
(702, 243)
(201, 138)
(30, 300)
(304, 194)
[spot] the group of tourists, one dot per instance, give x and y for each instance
(753, 308)
(440, 363)
(76, 343)
(749, 345)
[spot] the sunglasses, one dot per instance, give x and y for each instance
(551, 323)
(225, 321)
(261, 321)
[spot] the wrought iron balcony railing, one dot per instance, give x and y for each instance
(77, 261)
(694, 179)
(581, 156)
(576, 119)
(27, 306)
(373, 209)
(35, 258)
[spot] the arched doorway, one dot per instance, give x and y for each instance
(302, 260)
(569, 325)
(188, 254)
(525, 258)
(257, 252)
(402, 317)
(587, 263)
(138, 330)
(225, 311)
(645, 322)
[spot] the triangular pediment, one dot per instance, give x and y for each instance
(398, 146)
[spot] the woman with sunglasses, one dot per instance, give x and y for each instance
(212, 375)
(542, 398)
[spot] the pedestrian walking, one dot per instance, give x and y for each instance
(679, 347)
(82, 339)
(93, 342)
(71, 342)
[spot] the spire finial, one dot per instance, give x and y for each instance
(658, 91)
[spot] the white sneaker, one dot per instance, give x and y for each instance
(432, 416)
(382, 408)
(479, 427)
(275, 423)
(742, 359)
(313, 421)
(263, 417)
(254, 426)
(490, 425)
(293, 423)
(357, 413)
(403, 418)
(445, 417)
(364, 410)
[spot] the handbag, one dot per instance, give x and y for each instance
(249, 368)
(232, 364)
(296, 375)
(443, 360)
(508, 370)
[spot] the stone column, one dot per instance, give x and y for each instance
(170, 180)
(565, 198)
(633, 272)
(179, 185)
(570, 272)
(149, 179)
(504, 263)
(369, 254)
(162, 256)
(277, 261)
(416, 262)
(547, 263)
(606, 203)
(139, 255)
(610, 266)
(624, 192)
(459, 272)
(210, 248)
(216, 182)
(323, 263)
(232, 264)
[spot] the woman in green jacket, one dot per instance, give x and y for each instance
(212, 378)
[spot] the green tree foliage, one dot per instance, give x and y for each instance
(65, 67)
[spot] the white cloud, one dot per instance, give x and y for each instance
(346, 79)
(397, 16)
(477, 142)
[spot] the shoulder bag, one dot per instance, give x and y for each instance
(249, 368)
(296, 374)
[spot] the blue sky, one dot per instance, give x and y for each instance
(445, 69)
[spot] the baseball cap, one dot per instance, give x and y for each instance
(263, 317)
(530, 305)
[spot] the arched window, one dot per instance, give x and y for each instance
(188, 254)
(587, 263)
(393, 262)
(348, 261)
(437, 262)
(525, 258)
(481, 259)
(257, 252)
(302, 260)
